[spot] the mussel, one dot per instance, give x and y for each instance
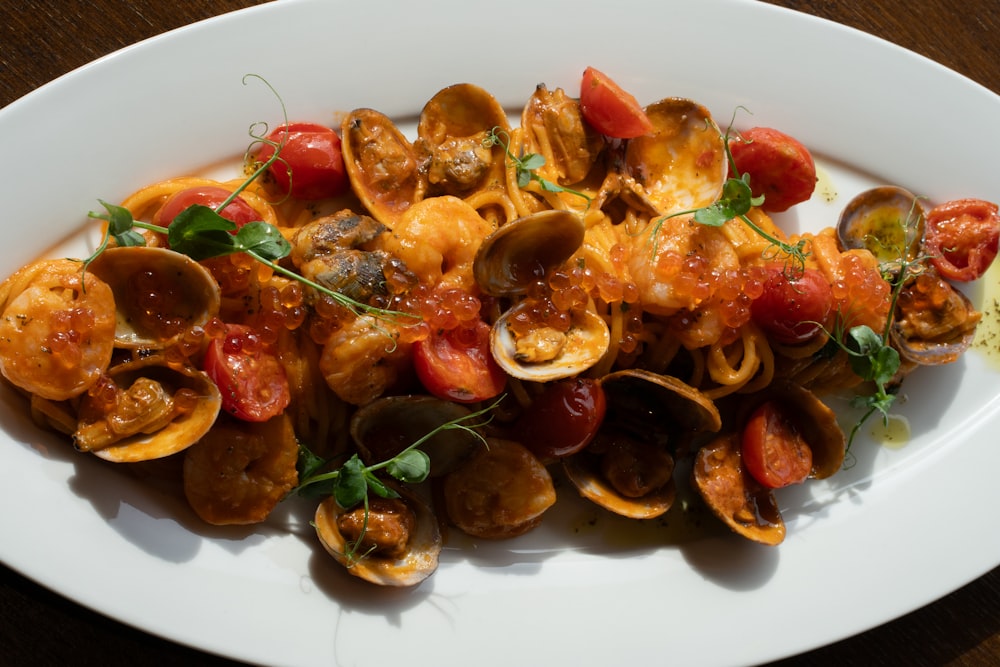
(553, 127)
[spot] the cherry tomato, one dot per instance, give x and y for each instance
(456, 364)
(609, 109)
(774, 452)
(962, 238)
(562, 420)
(237, 211)
(252, 380)
(793, 305)
(779, 166)
(312, 154)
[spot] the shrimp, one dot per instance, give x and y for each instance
(56, 329)
(437, 239)
(676, 267)
(240, 471)
(362, 359)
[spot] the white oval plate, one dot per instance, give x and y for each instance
(862, 549)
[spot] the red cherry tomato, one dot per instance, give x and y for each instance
(311, 152)
(774, 452)
(252, 380)
(456, 364)
(237, 211)
(962, 238)
(793, 305)
(779, 166)
(609, 109)
(562, 420)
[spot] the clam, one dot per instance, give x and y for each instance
(523, 251)
(815, 421)
(453, 131)
(682, 165)
(887, 220)
(159, 294)
(383, 428)
(400, 540)
(384, 169)
(553, 127)
(545, 353)
(934, 322)
(501, 492)
(628, 469)
(146, 409)
(748, 508)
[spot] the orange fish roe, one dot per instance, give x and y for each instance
(441, 309)
(862, 295)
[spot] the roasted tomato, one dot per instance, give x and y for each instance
(310, 165)
(237, 211)
(794, 305)
(252, 380)
(562, 420)
(773, 450)
(609, 109)
(779, 166)
(962, 238)
(456, 364)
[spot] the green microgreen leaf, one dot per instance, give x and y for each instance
(526, 166)
(411, 466)
(352, 484)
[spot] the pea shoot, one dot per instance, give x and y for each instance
(736, 201)
(526, 166)
(353, 481)
(202, 233)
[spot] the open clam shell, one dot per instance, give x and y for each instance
(383, 428)
(733, 495)
(417, 560)
(159, 294)
(162, 409)
(382, 165)
(546, 354)
(682, 164)
(886, 220)
(935, 323)
(523, 251)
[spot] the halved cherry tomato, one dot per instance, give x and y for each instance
(562, 420)
(237, 211)
(774, 452)
(252, 380)
(456, 364)
(609, 109)
(312, 155)
(962, 238)
(779, 166)
(794, 304)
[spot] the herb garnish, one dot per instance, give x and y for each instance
(736, 201)
(352, 482)
(201, 233)
(527, 165)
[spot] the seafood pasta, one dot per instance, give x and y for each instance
(420, 332)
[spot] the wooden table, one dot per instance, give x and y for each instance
(42, 39)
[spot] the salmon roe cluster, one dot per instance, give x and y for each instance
(439, 309)
(66, 337)
(861, 294)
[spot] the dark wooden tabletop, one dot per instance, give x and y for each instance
(42, 39)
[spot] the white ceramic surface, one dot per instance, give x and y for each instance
(863, 548)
